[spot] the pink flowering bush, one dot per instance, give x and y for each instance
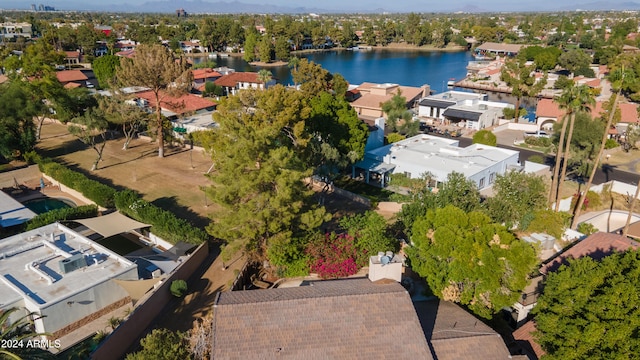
(333, 256)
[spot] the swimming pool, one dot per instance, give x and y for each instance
(41, 206)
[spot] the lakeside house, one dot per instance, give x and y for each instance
(490, 50)
(233, 82)
(468, 110)
(438, 156)
(367, 98)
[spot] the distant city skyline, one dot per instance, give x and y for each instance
(295, 6)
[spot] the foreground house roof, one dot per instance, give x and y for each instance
(596, 246)
(339, 319)
(525, 340)
(454, 334)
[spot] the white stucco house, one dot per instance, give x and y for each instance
(469, 110)
(62, 276)
(423, 154)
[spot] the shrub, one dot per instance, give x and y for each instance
(537, 141)
(395, 137)
(178, 288)
(95, 191)
(587, 228)
(610, 144)
(485, 137)
(80, 212)
(333, 256)
(165, 223)
(591, 201)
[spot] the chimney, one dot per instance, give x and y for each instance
(386, 266)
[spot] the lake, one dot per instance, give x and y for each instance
(409, 68)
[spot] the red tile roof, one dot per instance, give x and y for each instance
(549, 108)
(71, 85)
(333, 319)
(178, 105)
(231, 80)
(66, 76)
(596, 246)
(628, 111)
(524, 338)
(72, 54)
(205, 74)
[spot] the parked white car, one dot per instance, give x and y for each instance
(537, 134)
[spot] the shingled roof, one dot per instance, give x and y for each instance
(339, 319)
(454, 334)
(596, 246)
(231, 80)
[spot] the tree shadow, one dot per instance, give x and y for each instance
(67, 147)
(608, 169)
(171, 204)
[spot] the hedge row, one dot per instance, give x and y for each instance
(95, 191)
(165, 223)
(80, 212)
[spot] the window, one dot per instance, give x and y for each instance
(481, 183)
(407, 174)
(492, 177)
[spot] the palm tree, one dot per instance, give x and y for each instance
(556, 167)
(517, 75)
(264, 76)
(18, 331)
(293, 64)
(574, 99)
(617, 78)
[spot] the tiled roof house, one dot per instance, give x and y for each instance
(67, 77)
(369, 104)
(172, 106)
(596, 246)
(347, 319)
(235, 81)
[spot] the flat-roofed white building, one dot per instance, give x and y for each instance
(12, 212)
(11, 30)
(62, 276)
(423, 154)
(469, 110)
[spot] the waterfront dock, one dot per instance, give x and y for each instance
(483, 86)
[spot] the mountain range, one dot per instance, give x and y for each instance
(374, 6)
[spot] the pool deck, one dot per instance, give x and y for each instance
(33, 192)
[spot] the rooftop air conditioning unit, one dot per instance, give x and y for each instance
(72, 263)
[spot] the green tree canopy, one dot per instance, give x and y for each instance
(371, 235)
(520, 78)
(465, 258)
(162, 344)
(17, 129)
(485, 137)
(104, 68)
(258, 178)
(516, 195)
(589, 309)
(155, 67)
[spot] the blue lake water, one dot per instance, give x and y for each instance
(410, 68)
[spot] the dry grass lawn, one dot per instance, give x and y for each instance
(173, 183)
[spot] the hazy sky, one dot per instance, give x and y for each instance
(340, 5)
